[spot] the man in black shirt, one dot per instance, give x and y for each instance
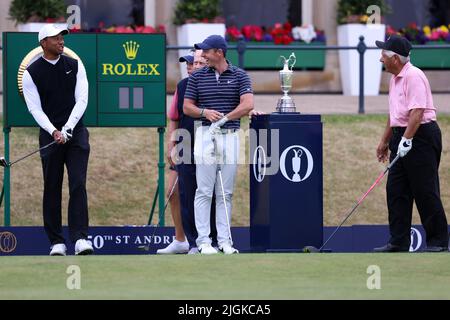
(56, 92)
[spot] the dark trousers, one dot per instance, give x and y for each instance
(415, 177)
(75, 155)
(187, 184)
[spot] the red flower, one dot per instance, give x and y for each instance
(390, 31)
(161, 28)
(233, 33)
(287, 26)
(413, 25)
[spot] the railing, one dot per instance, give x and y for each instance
(241, 47)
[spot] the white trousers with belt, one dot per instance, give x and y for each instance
(209, 157)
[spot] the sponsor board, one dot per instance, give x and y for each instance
(131, 239)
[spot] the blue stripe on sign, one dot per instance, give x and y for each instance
(221, 94)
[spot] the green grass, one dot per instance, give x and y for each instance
(244, 276)
(122, 174)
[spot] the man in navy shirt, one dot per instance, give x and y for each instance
(219, 94)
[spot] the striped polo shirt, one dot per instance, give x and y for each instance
(220, 93)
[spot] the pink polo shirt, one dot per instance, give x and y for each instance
(172, 112)
(409, 90)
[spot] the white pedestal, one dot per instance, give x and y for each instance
(192, 33)
(348, 35)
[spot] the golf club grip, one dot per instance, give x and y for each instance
(393, 162)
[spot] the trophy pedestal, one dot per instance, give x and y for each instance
(286, 182)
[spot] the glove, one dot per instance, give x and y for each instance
(404, 146)
(215, 126)
(66, 133)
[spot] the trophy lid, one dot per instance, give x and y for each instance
(292, 59)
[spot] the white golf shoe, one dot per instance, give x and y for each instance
(227, 249)
(206, 248)
(58, 249)
(176, 247)
(83, 247)
(193, 250)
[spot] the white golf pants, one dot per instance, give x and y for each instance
(208, 162)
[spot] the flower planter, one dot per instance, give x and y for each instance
(260, 59)
(431, 58)
(192, 33)
(348, 35)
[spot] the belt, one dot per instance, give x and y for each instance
(226, 131)
(398, 130)
(423, 126)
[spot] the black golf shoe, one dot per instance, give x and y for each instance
(391, 248)
(435, 249)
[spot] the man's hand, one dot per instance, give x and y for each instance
(170, 147)
(66, 132)
(404, 146)
(58, 137)
(216, 125)
(382, 151)
(254, 113)
(212, 115)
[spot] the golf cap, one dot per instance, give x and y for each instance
(397, 44)
(212, 42)
(188, 59)
(51, 30)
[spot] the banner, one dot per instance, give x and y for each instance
(147, 239)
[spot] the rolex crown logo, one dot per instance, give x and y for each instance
(131, 48)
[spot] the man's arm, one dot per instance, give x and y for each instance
(190, 109)
(405, 145)
(243, 109)
(33, 101)
(173, 116)
(382, 149)
(81, 98)
(415, 118)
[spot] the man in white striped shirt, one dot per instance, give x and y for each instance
(55, 88)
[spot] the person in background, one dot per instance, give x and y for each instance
(179, 245)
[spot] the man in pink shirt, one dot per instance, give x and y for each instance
(413, 133)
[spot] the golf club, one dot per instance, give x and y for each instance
(312, 249)
(147, 247)
(4, 163)
(219, 170)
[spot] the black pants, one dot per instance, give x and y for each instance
(187, 186)
(75, 155)
(415, 177)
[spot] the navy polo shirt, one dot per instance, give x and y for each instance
(221, 94)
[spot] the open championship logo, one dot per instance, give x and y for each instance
(299, 155)
(8, 242)
(416, 240)
(259, 164)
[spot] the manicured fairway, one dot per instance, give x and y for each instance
(244, 276)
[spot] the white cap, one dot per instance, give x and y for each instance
(50, 30)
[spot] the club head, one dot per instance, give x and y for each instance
(3, 162)
(310, 249)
